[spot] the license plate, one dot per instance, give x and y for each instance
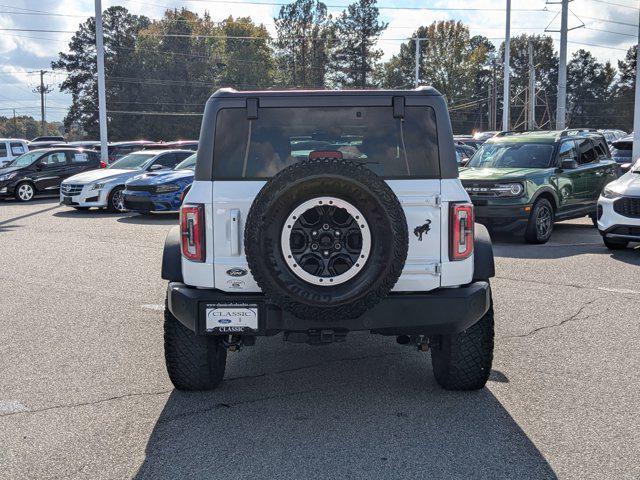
(231, 318)
(67, 200)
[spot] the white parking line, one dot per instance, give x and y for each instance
(153, 306)
(12, 406)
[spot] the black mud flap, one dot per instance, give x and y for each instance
(483, 264)
(172, 257)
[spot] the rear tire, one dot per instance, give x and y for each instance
(193, 362)
(462, 361)
(612, 244)
(540, 226)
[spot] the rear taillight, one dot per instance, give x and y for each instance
(461, 231)
(192, 232)
(103, 164)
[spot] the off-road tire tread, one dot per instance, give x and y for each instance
(463, 361)
(193, 362)
(267, 196)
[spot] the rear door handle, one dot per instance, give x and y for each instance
(234, 231)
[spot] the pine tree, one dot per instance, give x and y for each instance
(356, 58)
(304, 44)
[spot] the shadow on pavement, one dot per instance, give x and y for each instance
(92, 213)
(568, 239)
(369, 417)
(151, 219)
(27, 215)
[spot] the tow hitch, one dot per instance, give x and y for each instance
(421, 342)
(315, 337)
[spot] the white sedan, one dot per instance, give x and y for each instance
(619, 210)
(103, 188)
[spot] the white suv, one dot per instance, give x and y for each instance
(619, 210)
(315, 214)
(11, 148)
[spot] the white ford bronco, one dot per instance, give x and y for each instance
(318, 213)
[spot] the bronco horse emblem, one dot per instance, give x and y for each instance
(422, 230)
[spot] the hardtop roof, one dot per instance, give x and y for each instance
(233, 93)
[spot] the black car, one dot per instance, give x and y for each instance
(621, 150)
(463, 153)
(42, 171)
(467, 140)
(117, 150)
(49, 138)
(181, 144)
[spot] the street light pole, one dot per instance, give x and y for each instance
(507, 52)
(417, 80)
(635, 153)
(562, 68)
(102, 101)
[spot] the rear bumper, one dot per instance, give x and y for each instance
(442, 311)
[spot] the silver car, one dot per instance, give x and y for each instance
(103, 188)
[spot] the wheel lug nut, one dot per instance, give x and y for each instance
(337, 246)
(314, 233)
(325, 226)
(314, 246)
(337, 233)
(326, 253)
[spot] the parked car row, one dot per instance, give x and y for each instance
(161, 178)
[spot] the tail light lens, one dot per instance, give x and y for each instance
(103, 164)
(461, 231)
(192, 232)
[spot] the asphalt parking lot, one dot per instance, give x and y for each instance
(84, 392)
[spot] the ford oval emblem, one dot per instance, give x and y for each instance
(224, 321)
(236, 272)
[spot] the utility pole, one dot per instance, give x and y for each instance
(532, 90)
(42, 90)
(635, 153)
(507, 48)
(15, 123)
(489, 108)
(102, 101)
(43, 126)
(494, 99)
(561, 108)
(417, 75)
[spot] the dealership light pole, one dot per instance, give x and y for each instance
(636, 110)
(507, 72)
(561, 105)
(102, 101)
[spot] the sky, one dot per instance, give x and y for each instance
(607, 29)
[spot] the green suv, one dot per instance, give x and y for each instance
(523, 182)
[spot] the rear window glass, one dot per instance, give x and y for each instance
(390, 147)
(3, 150)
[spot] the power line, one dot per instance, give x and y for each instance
(379, 7)
(615, 4)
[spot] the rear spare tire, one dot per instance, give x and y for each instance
(326, 239)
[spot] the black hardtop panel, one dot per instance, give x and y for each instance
(230, 98)
(231, 93)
